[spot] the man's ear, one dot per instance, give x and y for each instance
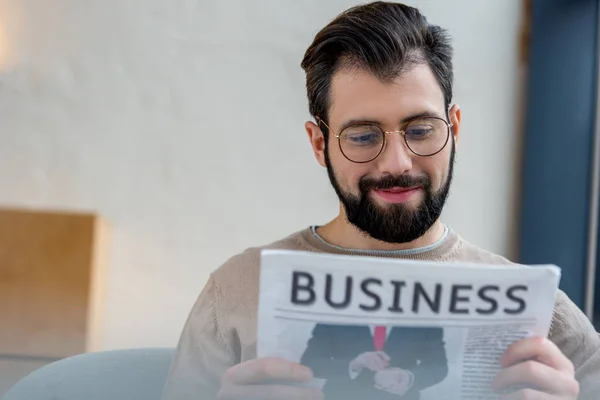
(454, 115)
(317, 141)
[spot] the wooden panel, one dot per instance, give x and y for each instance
(97, 298)
(50, 282)
(525, 34)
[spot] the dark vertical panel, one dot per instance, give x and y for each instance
(596, 314)
(559, 138)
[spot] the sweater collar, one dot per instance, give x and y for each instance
(438, 251)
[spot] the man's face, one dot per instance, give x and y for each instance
(398, 196)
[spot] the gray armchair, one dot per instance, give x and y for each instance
(135, 374)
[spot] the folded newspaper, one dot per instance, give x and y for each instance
(377, 328)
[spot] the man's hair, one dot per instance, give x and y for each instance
(383, 38)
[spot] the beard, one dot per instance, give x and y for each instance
(394, 223)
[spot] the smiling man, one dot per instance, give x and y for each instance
(379, 83)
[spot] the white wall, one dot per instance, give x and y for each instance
(181, 122)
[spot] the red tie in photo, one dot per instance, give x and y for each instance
(379, 338)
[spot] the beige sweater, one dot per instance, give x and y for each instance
(221, 328)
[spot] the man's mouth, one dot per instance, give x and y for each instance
(396, 194)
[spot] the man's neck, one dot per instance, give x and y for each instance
(339, 232)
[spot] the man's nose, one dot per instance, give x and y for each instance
(396, 157)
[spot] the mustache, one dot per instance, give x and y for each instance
(389, 181)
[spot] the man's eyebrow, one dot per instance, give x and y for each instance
(424, 114)
(359, 121)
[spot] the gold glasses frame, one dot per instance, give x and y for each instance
(402, 132)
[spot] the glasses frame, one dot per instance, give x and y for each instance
(402, 132)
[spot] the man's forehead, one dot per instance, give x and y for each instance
(357, 93)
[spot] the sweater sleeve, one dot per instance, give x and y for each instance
(202, 355)
(574, 334)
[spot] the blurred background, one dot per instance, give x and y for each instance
(142, 143)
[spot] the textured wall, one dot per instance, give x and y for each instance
(181, 123)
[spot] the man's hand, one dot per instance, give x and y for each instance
(267, 379)
(538, 370)
(394, 380)
(373, 360)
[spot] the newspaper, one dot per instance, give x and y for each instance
(377, 328)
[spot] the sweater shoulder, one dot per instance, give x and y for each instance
(469, 253)
(241, 270)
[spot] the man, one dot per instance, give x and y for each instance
(376, 362)
(379, 83)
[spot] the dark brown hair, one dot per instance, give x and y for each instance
(384, 38)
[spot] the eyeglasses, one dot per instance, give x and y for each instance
(362, 143)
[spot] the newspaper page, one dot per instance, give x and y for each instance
(376, 328)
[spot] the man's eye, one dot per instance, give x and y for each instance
(364, 138)
(419, 131)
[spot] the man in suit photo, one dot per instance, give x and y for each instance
(376, 362)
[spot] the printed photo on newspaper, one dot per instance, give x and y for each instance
(376, 328)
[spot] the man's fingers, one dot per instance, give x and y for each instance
(403, 378)
(269, 392)
(527, 394)
(383, 355)
(266, 369)
(379, 360)
(537, 375)
(540, 349)
(375, 363)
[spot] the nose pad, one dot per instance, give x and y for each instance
(396, 157)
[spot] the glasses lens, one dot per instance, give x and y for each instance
(427, 136)
(361, 143)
